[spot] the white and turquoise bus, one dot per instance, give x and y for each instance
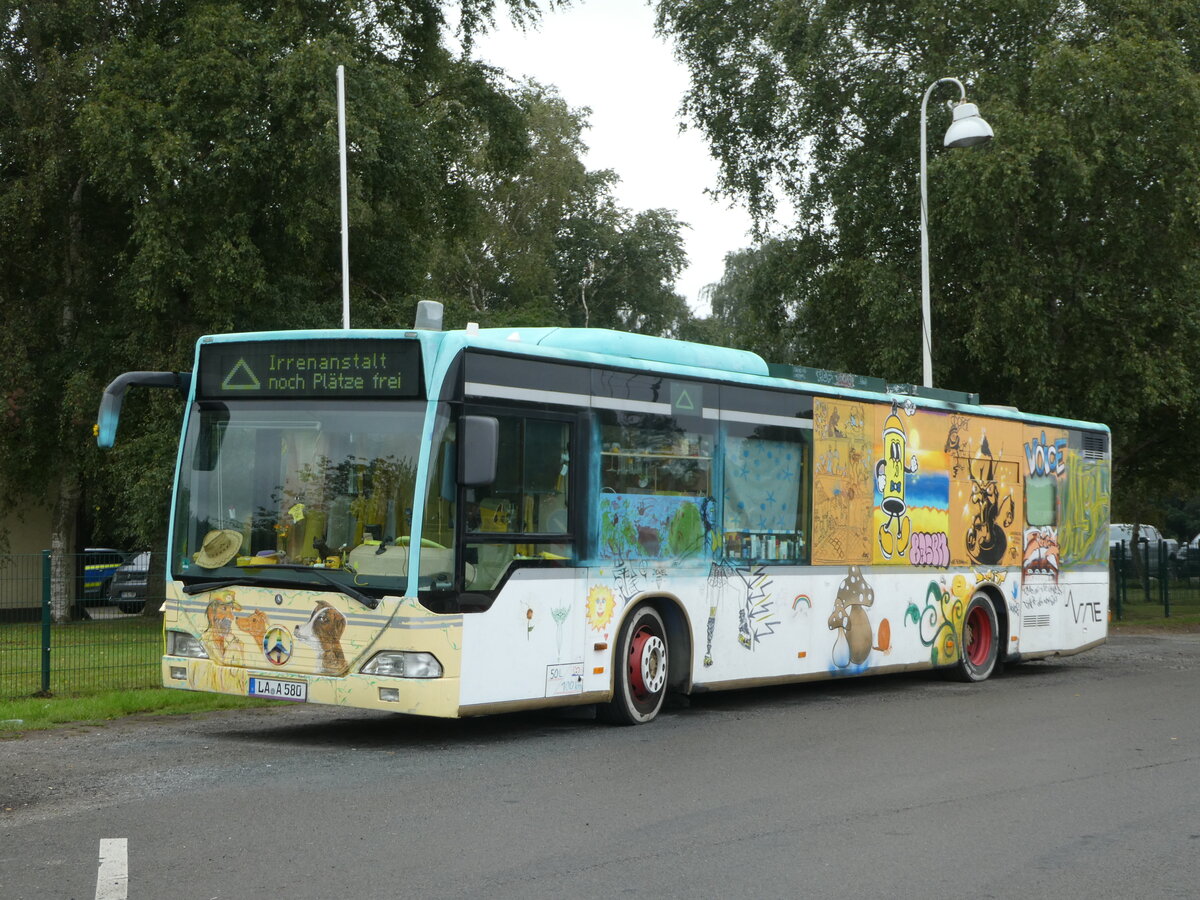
(452, 523)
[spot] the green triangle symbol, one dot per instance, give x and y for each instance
(683, 401)
(240, 378)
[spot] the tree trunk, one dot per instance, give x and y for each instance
(63, 580)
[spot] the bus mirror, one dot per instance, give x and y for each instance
(478, 447)
(114, 395)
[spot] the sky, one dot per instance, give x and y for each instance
(603, 54)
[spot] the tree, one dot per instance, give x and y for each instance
(170, 169)
(1065, 254)
(497, 268)
(548, 244)
(617, 269)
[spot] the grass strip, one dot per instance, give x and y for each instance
(39, 713)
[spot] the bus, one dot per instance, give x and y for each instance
(456, 523)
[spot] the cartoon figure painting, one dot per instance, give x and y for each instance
(895, 532)
(1041, 553)
(986, 541)
(223, 643)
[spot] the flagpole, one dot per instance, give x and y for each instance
(341, 93)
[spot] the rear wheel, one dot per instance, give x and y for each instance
(640, 676)
(980, 640)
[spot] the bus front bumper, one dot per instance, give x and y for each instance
(417, 696)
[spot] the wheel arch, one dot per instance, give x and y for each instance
(679, 637)
(995, 596)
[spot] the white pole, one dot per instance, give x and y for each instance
(341, 92)
(926, 328)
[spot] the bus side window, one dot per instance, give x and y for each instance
(1041, 503)
(766, 473)
(656, 486)
(530, 496)
(531, 492)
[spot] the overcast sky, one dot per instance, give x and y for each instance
(604, 54)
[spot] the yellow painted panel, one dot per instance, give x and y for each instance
(986, 502)
(912, 486)
(842, 482)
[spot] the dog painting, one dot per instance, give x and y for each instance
(254, 624)
(323, 632)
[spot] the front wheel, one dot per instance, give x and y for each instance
(980, 640)
(640, 676)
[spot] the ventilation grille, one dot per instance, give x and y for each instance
(1095, 445)
(1036, 621)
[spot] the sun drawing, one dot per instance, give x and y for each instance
(600, 607)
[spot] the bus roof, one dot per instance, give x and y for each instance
(671, 356)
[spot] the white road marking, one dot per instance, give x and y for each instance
(112, 881)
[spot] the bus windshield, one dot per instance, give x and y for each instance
(315, 494)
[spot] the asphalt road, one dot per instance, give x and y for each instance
(1069, 778)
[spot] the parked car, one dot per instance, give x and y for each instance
(1148, 541)
(128, 587)
(96, 568)
(1187, 559)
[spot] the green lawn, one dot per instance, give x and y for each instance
(1184, 602)
(1143, 604)
(85, 657)
(100, 670)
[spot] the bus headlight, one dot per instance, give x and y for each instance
(180, 643)
(403, 664)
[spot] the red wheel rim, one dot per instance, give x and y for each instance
(647, 664)
(979, 637)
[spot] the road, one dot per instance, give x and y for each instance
(1068, 778)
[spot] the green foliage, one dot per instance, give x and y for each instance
(1065, 254)
(171, 169)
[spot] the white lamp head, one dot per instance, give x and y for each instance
(968, 127)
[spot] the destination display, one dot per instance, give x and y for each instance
(317, 368)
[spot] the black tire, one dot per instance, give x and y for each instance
(979, 642)
(639, 670)
(129, 608)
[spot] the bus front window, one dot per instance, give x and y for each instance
(328, 485)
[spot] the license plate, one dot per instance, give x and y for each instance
(279, 690)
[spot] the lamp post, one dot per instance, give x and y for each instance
(966, 130)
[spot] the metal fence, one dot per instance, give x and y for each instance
(106, 644)
(1149, 585)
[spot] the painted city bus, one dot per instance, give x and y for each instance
(455, 523)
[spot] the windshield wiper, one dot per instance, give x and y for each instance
(199, 587)
(365, 599)
(353, 593)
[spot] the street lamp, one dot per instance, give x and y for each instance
(966, 130)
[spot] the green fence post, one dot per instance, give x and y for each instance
(1164, 576)
(1145, 554)
(1123, 574)
(1125, 561)
(45, 622)
(1118, 576)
